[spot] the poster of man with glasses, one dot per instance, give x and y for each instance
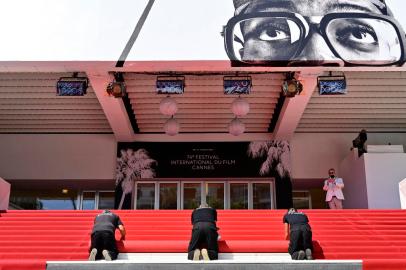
(247, 32)
(314, 32)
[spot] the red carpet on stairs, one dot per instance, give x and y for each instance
(29, 238)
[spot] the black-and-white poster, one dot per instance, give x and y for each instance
(247, 32)
(201, 160)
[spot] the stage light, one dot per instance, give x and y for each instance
(117, 88)
(332, 85)
(170, 85)
(291, 86)
(72, 86)
(237, 85)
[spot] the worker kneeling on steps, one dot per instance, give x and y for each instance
(203, 243)
(103, 240)
(298, 230)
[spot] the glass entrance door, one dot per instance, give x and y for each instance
(88, 200)
(192, 195)
(238, 196)
(103, 199)
(106, 200)
(168, 196)
(145, 196)
(261, 196)
(215, 195)
(218, 194)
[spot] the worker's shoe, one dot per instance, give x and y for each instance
(92, 255)
(205, 255)
(301, 255)
(106, 255)
(196, 255)
(308, 253)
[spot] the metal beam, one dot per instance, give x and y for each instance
(293, 108)
(113, 108)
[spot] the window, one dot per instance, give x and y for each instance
(106, 200)
(145, 196)
(189, 195)
(168, 196)
(44, 199)
(215, 195)
(301, 199)
(88, 200)
(261, 196)
(192, 195)
(238, 195)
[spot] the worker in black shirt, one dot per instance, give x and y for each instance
(103, 240)
(297, 228)
(204, 234)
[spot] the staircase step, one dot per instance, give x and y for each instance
(212, 265)
(28, 238)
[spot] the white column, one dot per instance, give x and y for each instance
(4, 194)
(402, 191)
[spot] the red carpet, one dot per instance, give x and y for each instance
(378, 237)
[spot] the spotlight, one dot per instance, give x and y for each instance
(72, 86)
(170, 85)
(117, 88)
(291, 86)
(332, 85)
(237, 85)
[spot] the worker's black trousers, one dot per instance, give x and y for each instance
(204, 235)
(104, 240)
(300, 238)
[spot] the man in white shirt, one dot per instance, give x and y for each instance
(334, 185)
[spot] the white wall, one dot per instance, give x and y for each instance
(92, 156)
(59, 156)
(352, 169)
(384, 171)
(313, 154)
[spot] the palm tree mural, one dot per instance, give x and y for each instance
(132, 165)
(275, 156)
